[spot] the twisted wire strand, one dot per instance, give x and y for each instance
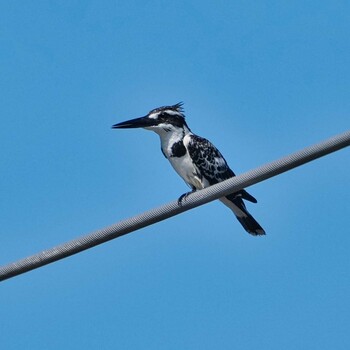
(171, 209)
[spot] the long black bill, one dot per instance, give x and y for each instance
(142, 122)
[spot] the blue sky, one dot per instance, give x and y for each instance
(260, 79)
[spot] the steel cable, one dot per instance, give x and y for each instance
(171, 209)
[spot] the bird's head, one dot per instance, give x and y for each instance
(160, 120)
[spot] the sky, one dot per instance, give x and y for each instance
(260, 79)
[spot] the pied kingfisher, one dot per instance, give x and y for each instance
(194, 158)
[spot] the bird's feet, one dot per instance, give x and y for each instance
(183, 197)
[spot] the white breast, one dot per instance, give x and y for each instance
(182, 165)
(186, 169)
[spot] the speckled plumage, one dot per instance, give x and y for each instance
(209, 161)
(194, 158)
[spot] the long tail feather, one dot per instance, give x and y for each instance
(236, 204)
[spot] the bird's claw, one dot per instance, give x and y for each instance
(183, 197)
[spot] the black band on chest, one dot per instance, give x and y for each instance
(178, 149)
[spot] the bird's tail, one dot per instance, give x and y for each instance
(235, 203)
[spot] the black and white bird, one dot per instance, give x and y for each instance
(194, 158)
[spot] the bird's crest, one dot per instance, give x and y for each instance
(176, 108)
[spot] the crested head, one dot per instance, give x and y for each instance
(177, 108)
(168, 116)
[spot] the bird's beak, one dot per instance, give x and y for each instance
(142, 122)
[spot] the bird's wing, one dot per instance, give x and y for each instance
(209, 161)
(212, 165)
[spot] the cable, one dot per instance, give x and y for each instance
(168, 210)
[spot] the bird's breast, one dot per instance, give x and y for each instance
(187, 170)
(175, 150)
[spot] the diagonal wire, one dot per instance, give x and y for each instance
(171, 209)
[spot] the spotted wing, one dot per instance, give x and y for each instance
(209, 161)
(212, 165)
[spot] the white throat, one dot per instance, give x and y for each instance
(169, 135)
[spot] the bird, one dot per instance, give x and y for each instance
(198, 162)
